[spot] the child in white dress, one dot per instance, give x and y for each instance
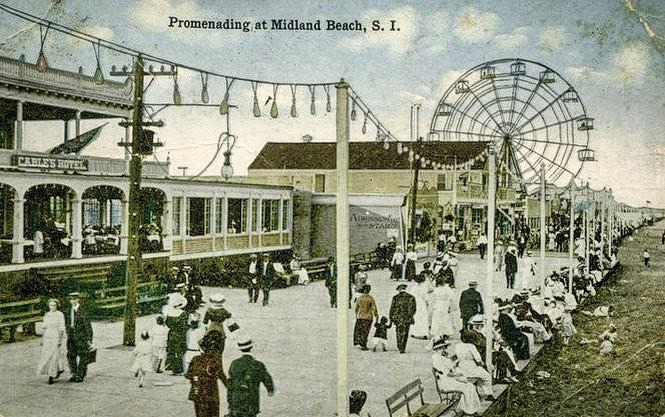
(142, 358)
(158, 338)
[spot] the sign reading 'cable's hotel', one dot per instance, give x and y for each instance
(49, 163)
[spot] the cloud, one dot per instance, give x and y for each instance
(578, 74)
(153, 15)
(553, 38)
(474, 26)
(397, 43)
(513, 40)
(103, 32)
(632, 62)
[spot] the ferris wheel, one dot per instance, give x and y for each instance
(533, 115)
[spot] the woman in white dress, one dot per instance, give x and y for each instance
(451, 379)
(419, 290)
(442, 319)
(470, 364)
(54, 341)
(301, 273)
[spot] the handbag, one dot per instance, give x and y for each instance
(91, 356)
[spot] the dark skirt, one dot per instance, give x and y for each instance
(361, 332)
(410, 272)
(396, 272)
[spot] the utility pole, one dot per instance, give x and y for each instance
(142, 144)
(489, 261)
(414, 194)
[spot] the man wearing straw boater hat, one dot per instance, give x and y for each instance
(253, 278)
(246, 374)
(266, 277)
(402, 310)
(215, 317)
(79, 338)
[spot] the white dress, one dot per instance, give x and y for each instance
(194, 336)
(53, 358)
(420, 327)
(469, 402)
(468, 358)
(442, 318)
(142, 357)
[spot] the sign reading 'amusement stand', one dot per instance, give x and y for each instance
(49, 163)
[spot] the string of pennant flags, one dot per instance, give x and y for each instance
(360, 111)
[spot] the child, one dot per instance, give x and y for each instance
(194, 336)
(568, 329)
(606, 347)
(159, 336)
(646, 257)
(381, 334)
(142, 358)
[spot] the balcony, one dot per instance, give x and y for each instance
(24, 74)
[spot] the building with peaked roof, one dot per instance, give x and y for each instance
(452, 198)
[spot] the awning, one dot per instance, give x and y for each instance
(78, 143)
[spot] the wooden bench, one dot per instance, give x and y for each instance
(447, 396)
(406, 395)
(316, 268)
(109, 300)
(20, 313)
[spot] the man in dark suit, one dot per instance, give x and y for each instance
(331, 282)
(79, 338)
(402, 310)
(246, 374)
(266, 277)
(511, 267)
(470, 303)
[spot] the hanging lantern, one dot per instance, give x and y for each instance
(312, 106)
(399, 148)
(364, 128)
(353, 110)
(205, 97)
(417, 156)
(177, 99)
(294, 111)
(410, 157)
(328, 105)
(257, 108)
(98, 78)
(274, 112)
(42, 62)
(386, 145)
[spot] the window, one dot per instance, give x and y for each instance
(91, 212)
(255, 215)
(6, 134)
(286, 211)
(477, 215)
(219, 213)
(319, 183)
(444, 182)
(198, 216)
(270, 215)
(57, 208)
(177, 206)
(116, 212)
(237, 215)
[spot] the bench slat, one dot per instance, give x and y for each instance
(33, 301)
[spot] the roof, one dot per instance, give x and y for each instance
(363, 155)
(76, 144)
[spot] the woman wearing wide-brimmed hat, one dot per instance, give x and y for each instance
(54, 340)
(176, 321)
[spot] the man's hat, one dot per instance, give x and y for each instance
(217, 299)
(477, 319)
(440, 255)
(245, 345)
(266, 255)
(473, 283)
(74, 294)
(181, 285)
(401, 287)
(357, 401)
(179, 301)
(440, 344)
(253, 255)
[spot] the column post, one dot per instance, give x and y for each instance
(17, 238)
(167, 224)
(124, 226)
(76, 228)
(213, 219)
(342, 238)
(18, 133)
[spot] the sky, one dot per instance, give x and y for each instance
(608, 50)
